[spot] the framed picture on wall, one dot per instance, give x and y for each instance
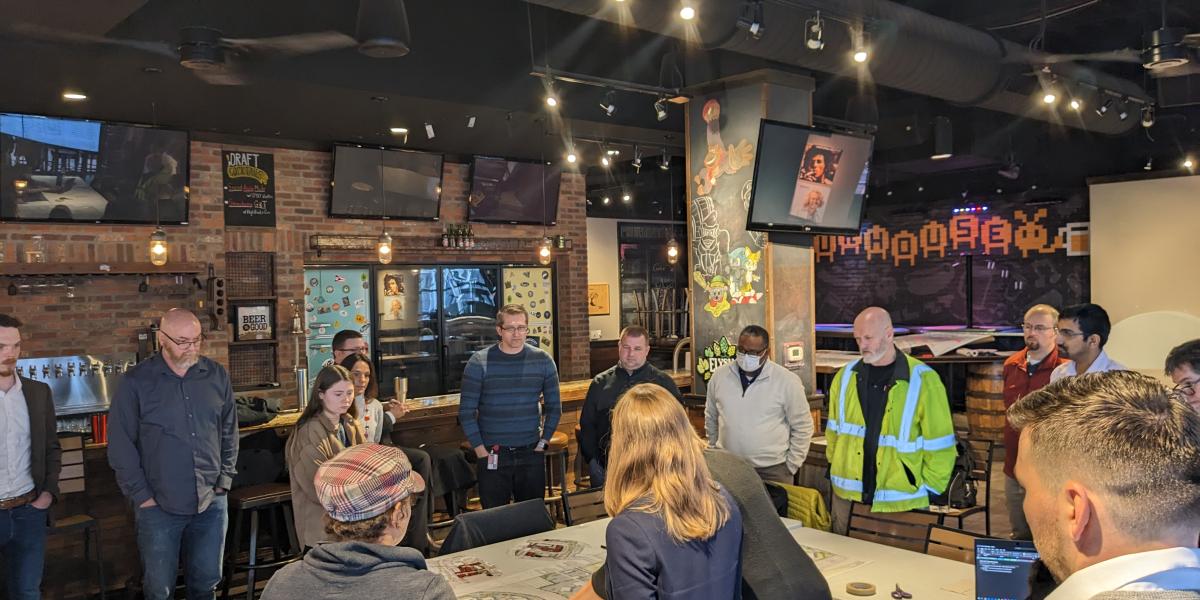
(254, 322)
(598, 299)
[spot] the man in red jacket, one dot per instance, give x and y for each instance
(1025, 372)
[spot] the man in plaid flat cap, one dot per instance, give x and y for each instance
(367, 492)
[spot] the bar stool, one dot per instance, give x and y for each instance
(583, 477)
(556, 465)
(276, 500)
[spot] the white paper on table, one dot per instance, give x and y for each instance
(832, 563)
(941, 342)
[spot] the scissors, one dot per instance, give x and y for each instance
(900, 594)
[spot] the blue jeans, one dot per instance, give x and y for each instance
(23, 547)
(597, 472)
(161, 536)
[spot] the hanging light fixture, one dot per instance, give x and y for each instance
(383, 246)
(544, 253)
(160, 251)
(673, 250)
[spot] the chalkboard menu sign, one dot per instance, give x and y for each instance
(249, 183)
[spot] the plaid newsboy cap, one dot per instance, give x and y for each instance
(365, 481)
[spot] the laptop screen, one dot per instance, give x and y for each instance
(1004, 569)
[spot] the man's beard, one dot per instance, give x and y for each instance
(183, 360)
(6, 368)
(1033, 344)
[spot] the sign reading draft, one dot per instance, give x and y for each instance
(248, 180)
(254, 323)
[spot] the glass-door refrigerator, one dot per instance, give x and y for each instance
(408, 330)
(468, 317)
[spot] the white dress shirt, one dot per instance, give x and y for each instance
(15, 443)
(766, 425)
(1170, 569)
(1101, 364)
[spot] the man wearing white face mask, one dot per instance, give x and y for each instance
(757, 410)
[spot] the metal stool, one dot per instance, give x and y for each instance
(276, 499)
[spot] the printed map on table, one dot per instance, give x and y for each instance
(467, 569)
(549, 549)
(543, 584)
(831, 563)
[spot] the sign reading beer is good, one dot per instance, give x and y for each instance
(249, 183)
(254, 323)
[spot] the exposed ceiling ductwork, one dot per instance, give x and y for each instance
(910, 51)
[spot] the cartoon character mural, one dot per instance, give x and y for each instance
(718, 293)
(712, 240)
(743, 272)
(713, 356)
(719, 160)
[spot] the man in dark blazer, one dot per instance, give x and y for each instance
(30, 461)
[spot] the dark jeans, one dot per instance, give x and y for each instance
(521, 475)
(597, 473)
(23, 548)
(161, 536)
(418, 524)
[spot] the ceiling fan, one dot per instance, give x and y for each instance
(1166, 52)
(382, 32)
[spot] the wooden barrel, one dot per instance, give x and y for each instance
(985, 400)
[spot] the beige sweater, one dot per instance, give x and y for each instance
(312, 443)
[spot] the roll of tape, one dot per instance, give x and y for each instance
(858, 588)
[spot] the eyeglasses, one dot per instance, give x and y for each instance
(1185, 388)
(1068, 333)
(751, 352)
(184, 343)
(352, 350)
(515, 329)
(1037, 328)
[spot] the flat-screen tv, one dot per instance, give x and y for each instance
(385, 183)
(512, 191)
(808, 180)
(54, 169)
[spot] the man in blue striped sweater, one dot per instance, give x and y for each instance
(501, 415)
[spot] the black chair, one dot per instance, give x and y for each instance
(275, 499)
(583, 506)
(983, 452)
(498, 524)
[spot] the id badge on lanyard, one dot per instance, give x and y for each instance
(493, 459)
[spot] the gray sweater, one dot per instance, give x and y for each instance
(358, 570)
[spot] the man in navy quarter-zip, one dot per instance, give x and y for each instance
(757, 409)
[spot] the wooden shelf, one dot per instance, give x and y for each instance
(252, 298)
(99, 269)
(253, 342)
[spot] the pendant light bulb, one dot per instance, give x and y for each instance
(543, 252)
(160, 250)
(672, 252)
(384, 248)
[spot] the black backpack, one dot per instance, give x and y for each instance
(961, 491)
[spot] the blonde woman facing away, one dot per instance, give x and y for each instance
(675, 532)
(327, 426)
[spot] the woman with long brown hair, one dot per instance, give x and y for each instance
(327, 426)
(675, 532)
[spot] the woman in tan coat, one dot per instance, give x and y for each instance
(327, 426)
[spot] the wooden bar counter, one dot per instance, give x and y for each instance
(430, 421)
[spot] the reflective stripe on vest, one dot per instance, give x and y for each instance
(851, 485)
(898, 496)
(899, 442)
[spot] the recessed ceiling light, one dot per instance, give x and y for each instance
(1049, 98)
(74, 96)
(860, 56)
(687, 13)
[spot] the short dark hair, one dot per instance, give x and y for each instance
(10, 321)
(634, 331)
(757, 331)
(1186, 354)
(341, 337)
(1092, 319)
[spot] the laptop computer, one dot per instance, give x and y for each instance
(1005, 569)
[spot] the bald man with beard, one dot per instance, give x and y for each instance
(890, 439)
(173, 443)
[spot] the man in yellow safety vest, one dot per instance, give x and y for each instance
(890, 436)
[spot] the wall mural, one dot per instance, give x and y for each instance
(714, 356)
(914, 261)
(726, 260)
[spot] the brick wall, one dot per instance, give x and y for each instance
(106, 311)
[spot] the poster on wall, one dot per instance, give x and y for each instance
(254, 323)
(533, 288)
(398, 298)
(248, 180)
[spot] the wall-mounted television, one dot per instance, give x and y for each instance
(512, 191)
(808, 180)
(385, 183)
(55, 169)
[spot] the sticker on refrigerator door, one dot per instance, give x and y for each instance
(345, 289)
(339, 278)
(329, 289)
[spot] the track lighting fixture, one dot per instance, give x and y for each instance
(470, 122)
(1049, 97)
(551, 99)
(606, 200)
(572, 157)
(814, 31)
(1188, 163)
(750, 18)
(637, 159)
(1103, 107)
(626, 197)
(660, 108)
(665, 162)
(429, 131)
(686, 12)
(1076, 104)
(862, 48)
(1148, 116)
(605, 161)
(608, 105)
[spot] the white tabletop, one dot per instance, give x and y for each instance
(553, 565)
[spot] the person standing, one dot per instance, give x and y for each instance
(595, 419)
(890, 439)
(327, 426)
(173, 443)
(30, 463)
(757, 409)
(1024, 372)
(1082, 333)
(500, 411)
